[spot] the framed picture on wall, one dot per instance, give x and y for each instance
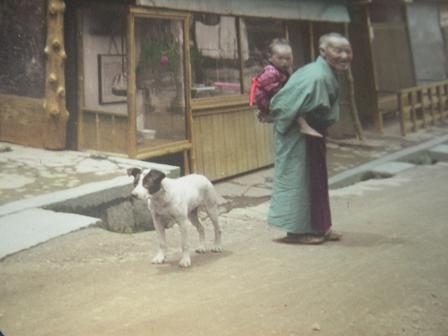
(112, 80)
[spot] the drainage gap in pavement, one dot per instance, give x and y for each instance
(420, 159)
(120, 214)
(370, 175)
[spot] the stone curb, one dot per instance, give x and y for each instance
(76, 194)
(357, 174)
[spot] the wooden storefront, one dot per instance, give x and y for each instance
(399, 45)
(159, 80)
(188, 67)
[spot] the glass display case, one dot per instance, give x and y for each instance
(133, 76)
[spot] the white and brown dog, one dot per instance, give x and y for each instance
(177, 201)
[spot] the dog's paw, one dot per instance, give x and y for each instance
(158, 259)
(217, 249)
(185, 262)
(201, 250)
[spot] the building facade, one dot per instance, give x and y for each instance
(152, 80)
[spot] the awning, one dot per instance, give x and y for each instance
(312, 10)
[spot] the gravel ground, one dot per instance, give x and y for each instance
(388, 276)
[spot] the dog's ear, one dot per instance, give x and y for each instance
(153, 180)
(134, 172)
(157, 175)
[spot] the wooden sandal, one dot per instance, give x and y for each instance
(333, 236)
(310, 240)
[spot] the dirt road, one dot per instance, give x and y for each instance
(389, 275)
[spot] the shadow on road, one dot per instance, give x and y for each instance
(197, 260)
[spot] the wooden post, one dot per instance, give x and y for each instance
(413, 102)
(421, 103)
(432, 107)
(312, 46)
(439, 102)
(377, 117)
(444, 100)
(351, 94)
(401, 107)
(54, 104)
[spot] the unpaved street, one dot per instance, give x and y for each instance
(389, 275)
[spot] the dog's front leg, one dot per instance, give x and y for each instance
(160, 256)
(185, 261)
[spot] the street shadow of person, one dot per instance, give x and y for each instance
(351, 239)
(368, 239)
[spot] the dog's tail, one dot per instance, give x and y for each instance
(211, 207)
(211, 195)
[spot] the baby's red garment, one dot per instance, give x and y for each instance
(266, 84)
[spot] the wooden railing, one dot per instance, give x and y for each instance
(422, 105)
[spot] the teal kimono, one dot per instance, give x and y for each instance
(311, 92)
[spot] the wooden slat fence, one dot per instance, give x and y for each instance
(422, 105)
(228, 142)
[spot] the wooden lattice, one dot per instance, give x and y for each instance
(422, 105)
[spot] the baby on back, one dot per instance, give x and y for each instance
(271, 79)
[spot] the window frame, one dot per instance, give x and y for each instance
(177, 146)
(242, 98)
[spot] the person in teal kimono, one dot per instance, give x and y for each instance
(300, 200)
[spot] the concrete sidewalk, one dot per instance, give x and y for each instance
(44, 194)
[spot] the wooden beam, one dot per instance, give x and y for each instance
(54, 104)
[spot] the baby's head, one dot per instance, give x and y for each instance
(280, 54)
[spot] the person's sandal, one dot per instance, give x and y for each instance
(310, 240)
(333, 236)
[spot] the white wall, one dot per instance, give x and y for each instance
(92, 46)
